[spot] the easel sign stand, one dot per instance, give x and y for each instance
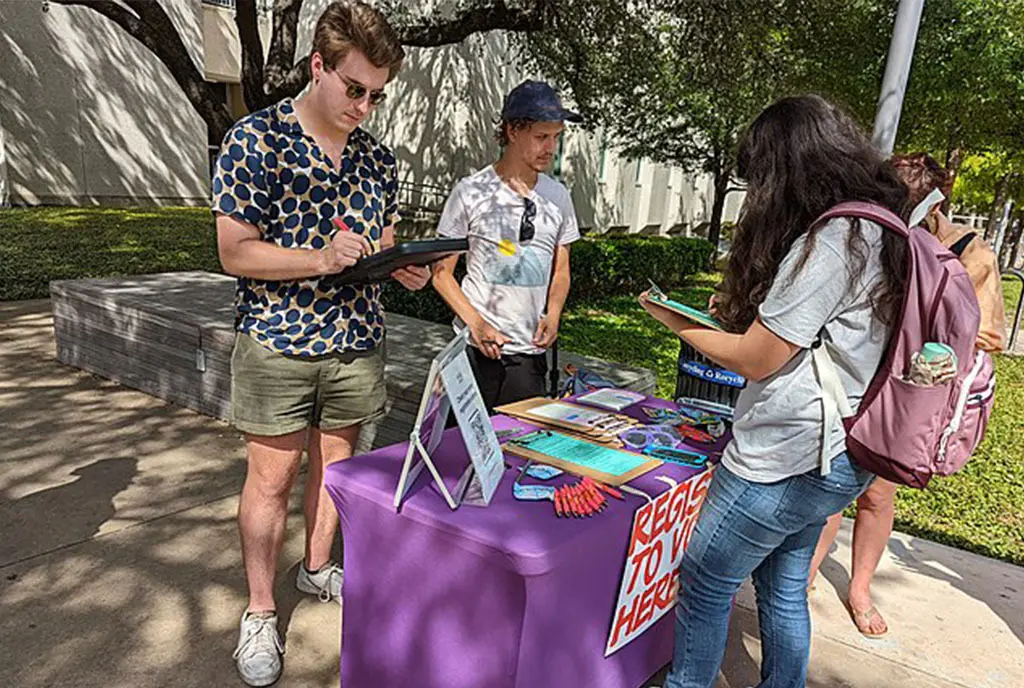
(452, 387)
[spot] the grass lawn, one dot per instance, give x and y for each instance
(42, 244)
(981, 509)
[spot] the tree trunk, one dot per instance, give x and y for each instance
(253, 83)
(954, 160)
(1015, 255)
(996, 214)
(720, 177)
(1011, 245)
(148, 23)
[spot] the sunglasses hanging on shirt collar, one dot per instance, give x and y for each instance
(526, 228)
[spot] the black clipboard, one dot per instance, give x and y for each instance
(379, 266)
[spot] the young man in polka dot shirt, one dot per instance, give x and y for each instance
(520, 223)
(301, 191)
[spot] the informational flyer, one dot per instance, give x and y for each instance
(582, 453)
(451, 388)
(569, 414)
(612, 399)
(474, 423)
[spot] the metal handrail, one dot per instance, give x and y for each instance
(1015, 330)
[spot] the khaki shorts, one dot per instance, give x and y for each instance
(274, 394)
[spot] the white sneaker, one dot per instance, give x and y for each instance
(259, 650)
(325, 583)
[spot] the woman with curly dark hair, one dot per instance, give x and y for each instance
(789, 285)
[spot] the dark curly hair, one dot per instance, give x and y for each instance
(503, 126)
(801, 156)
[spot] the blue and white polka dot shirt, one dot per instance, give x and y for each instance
(271, 174)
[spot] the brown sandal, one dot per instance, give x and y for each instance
(862, 621)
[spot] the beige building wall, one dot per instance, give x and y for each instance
(90, 116)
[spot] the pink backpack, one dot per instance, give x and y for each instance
(902, 432)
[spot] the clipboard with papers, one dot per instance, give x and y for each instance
(657, 297)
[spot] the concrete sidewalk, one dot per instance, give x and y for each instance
(119, 562)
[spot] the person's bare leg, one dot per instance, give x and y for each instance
(871, 530)
(325, 447)
(828, 536)
(263, 510)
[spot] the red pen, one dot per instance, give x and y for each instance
(594, 490)
(563, 504)
(345, 227)
(609, 490)
(574, 498)
(588, 507)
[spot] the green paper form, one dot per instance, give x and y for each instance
(592, 456)
(693, 314)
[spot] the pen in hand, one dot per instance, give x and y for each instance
(345, 249)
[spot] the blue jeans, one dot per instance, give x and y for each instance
(768, 530)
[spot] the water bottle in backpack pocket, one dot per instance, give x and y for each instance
(905, 431)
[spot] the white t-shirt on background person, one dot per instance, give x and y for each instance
(507, 281)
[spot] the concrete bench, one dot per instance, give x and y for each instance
(171, 335)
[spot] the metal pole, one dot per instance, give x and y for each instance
(897, 70)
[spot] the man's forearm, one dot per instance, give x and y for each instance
(264, 260)
(558, 292)
(449, 289)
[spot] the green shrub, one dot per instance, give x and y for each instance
(425, 304)
(622, 266)
(601, 267)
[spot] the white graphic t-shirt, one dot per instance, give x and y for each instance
(507, 280)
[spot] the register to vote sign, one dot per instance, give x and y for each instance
(661, 530)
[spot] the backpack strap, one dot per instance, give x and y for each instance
(961, 244)
(866, 211)
(834, 400)
(835, 404)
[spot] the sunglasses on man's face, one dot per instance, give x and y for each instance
(526, 229)
(356, 91)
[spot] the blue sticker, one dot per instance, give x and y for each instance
(533, 493)
(542, 472)
(716, 375)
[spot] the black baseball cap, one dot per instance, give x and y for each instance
(538, 102)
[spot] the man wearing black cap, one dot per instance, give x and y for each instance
(519, 223)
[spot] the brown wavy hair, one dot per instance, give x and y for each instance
(801, 156)
(352, 24)
(922, 173)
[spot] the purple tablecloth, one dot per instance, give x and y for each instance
(507, 595)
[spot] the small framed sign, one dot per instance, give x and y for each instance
(451, 388)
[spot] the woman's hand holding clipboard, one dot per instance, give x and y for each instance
(665, 310)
